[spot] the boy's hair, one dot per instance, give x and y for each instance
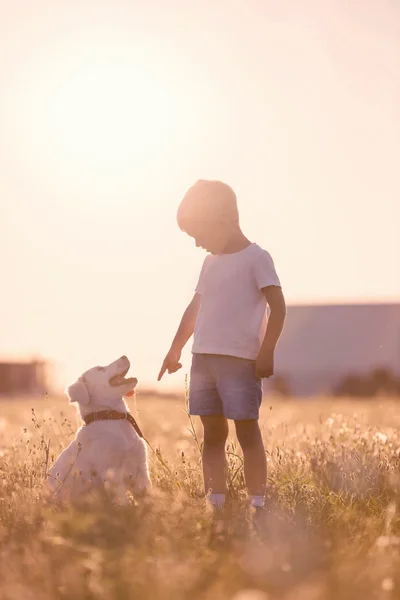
(207, 200)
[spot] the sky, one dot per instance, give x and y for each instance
(111, 109)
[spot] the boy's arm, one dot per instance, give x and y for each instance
(265, 358)
(185, 330)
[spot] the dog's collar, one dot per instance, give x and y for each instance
(112, 415)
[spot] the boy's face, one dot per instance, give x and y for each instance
(213, 236)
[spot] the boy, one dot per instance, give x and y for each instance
(233, 348)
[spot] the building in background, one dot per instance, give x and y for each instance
(23, 377)
(321, 346)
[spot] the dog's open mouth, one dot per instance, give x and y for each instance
(120, 379)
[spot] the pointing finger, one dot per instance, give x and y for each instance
(162, 371)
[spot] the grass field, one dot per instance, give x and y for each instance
(332, 527)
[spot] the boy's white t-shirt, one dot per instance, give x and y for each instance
(232, 316)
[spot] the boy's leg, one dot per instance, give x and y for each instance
(255, 463)
(204, 401)
(214, 459)
(240, 392)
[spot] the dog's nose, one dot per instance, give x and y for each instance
(123, 357)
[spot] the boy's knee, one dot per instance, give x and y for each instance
(216, 431)
(248, 433)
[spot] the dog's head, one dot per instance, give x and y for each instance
(102, 386)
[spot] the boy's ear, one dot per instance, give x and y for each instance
(77, 392)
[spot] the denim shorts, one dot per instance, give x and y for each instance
(224, 385)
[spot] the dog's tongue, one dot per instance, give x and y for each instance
(130, 394)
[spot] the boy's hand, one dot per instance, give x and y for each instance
(171, 363)
(265, 364)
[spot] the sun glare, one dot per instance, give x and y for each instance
(107, 114)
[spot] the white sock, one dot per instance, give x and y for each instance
(216, 500)
(257, 501)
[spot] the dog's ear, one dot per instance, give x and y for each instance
(77, 392)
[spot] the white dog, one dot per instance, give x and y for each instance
(108, 451)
